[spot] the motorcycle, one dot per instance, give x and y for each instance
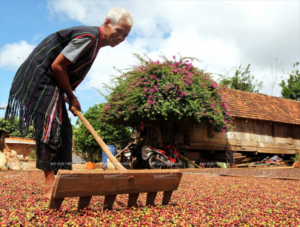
(161, 159)
(129, 159)
(130, 156)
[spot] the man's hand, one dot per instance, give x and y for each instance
(74, 105)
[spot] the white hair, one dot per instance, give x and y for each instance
(119, 14)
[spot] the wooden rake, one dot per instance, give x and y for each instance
(109, 183)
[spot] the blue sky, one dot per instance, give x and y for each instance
(222, 34)
(29, 21)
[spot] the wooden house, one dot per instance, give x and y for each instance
(262, 125)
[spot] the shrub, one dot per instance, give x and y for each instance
(108, 133)
(296, 158)
(166, 90)
(32, 155)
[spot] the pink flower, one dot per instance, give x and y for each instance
(214, 85)
(223, 130)
(150, 102)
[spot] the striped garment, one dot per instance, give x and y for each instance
(34, 96)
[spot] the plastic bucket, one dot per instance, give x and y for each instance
(90, 165)
(113, 150)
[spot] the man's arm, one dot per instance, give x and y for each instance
(59, 69)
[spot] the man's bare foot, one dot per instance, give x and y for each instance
(48, 192)
(49, 178)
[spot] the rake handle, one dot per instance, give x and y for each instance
(103, 146)
(119, 153)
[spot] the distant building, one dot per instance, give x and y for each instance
(262, 124)
(23, 146)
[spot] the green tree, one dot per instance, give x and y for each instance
(291, 87)
(13, 128)
(242, 80)
(155, 91)
(85, 142)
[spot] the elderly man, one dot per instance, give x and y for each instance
(48, 78)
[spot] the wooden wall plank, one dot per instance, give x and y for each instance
(274, 151)
(250, 136)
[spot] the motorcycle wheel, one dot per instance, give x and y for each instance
(129, 164)
(154, 164)
(126, 163)
(180, 164)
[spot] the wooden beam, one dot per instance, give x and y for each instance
(275, 151)
(114, 182)
(189, 161)
(244, 146)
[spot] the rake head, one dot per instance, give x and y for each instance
(85, 184)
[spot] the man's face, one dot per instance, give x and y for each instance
(116, 33)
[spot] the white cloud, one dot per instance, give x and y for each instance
(90, 12)
(222, 34)
(120, 57)
(14, 54)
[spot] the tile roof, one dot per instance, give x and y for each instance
(19, 140)
(260, 106)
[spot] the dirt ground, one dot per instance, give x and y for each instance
(30, 165)
(270, 172)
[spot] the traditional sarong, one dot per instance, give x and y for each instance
(35, 96)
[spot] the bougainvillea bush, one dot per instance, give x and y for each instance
(166, 90)
(199, 201)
